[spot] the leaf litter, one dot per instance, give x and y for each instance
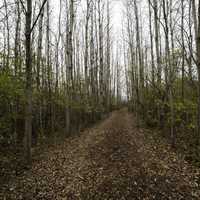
(114, 160)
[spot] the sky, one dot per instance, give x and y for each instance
(116, 13)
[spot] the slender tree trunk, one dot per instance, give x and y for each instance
(108, 59)
(183, 49)
(8, 35)
(86, 47)
(169, 71)
(194, 14)
(152, 47)
(49, 69)
(198, 70)
(101, 65)
(16, 63)
(57, 47)
(17, 29)
(140, 78)
(69, 67)
(39, 50)
(156, 19)
(190, 43)
(28, 108)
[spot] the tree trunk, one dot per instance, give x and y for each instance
(28, 108)
(198, 70)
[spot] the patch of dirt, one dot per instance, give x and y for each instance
(113, 160)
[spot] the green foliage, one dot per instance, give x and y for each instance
(11, 90)
(156, 107)
(185, 113)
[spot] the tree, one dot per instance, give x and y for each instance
(28, 109)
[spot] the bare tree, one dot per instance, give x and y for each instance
(28, 115)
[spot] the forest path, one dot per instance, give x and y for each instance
(113, 160)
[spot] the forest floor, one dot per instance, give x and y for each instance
(113, 160)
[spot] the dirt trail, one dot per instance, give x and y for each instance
(113, 160)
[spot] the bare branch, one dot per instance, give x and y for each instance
(35, 22)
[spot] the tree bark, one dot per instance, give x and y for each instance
(28, 92)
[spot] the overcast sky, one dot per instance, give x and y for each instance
(116, 13)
